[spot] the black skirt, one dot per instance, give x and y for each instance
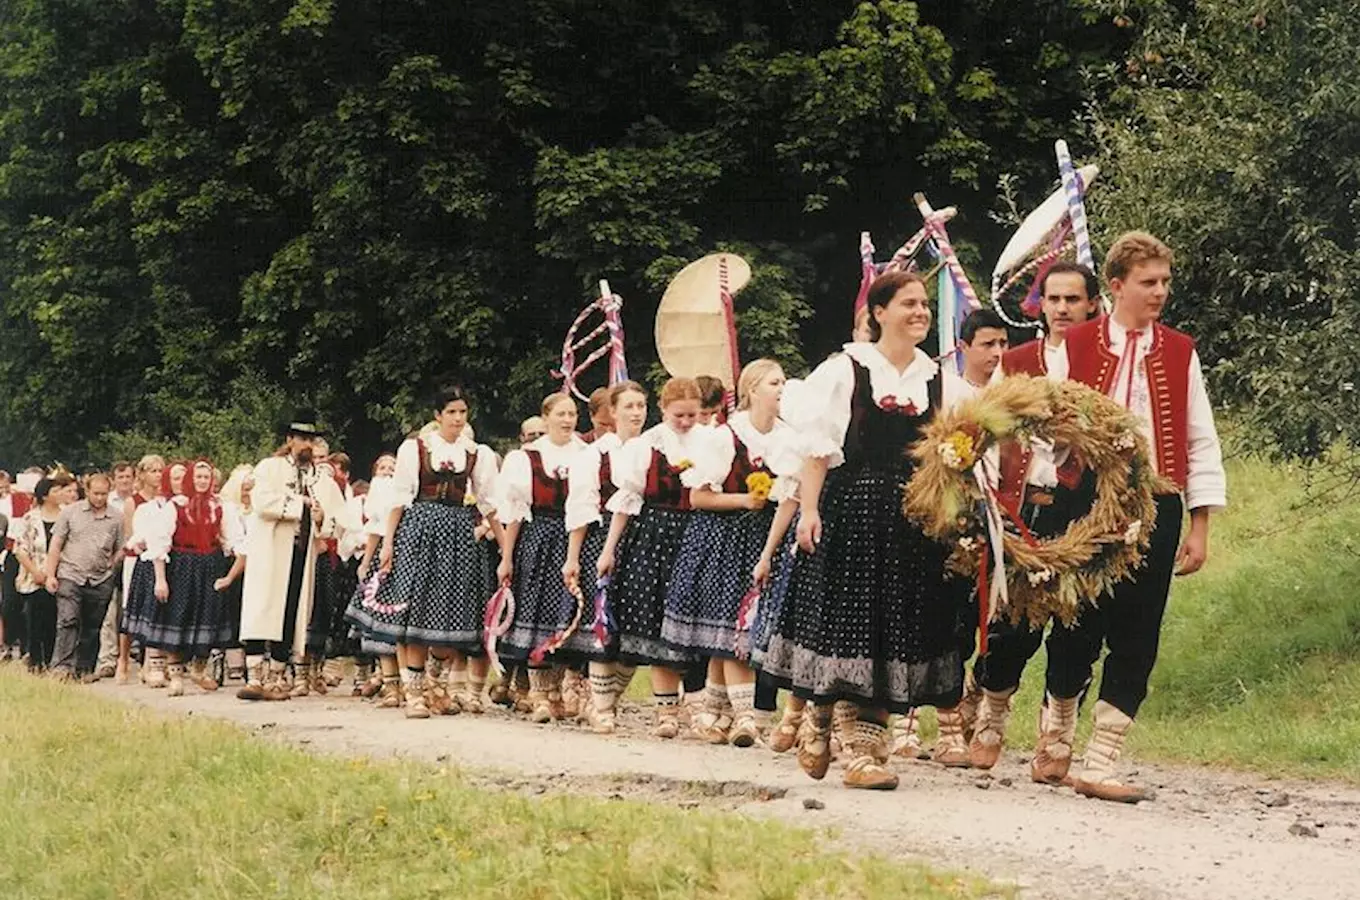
(644, 565)
(195, 619)
(543, 606)
(870, 616)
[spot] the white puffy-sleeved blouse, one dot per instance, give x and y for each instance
(153, 525)
(234, 518)
(774, 449)
(440, 454)
(818, 408)
(583, 482)
(515, 485)
(634, 460)
(379, 502)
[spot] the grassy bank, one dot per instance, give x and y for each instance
(1260, 658)
(102, 800)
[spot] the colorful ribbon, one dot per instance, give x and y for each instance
(603, 625)
(554, 643)
(500, 612)
(609, 305)
(370, 596)
(746, 616)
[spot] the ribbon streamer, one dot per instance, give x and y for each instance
(746, 616)
(603, 625)
(609, 305)
(500, 612)
(370, 596)
(554, 643)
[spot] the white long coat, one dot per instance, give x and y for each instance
(276, 513)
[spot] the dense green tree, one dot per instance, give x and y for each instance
(1238, 142)
(212, 208)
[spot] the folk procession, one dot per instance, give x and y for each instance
(895, 532)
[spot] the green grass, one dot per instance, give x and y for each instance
(102, 800)
(1259, 666)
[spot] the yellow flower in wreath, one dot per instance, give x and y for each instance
(759, 484)
(959, 451)
(469, 499)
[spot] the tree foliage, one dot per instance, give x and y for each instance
(1235, 138)
(210, 210)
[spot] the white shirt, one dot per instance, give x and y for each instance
(818, 409)
(634, 461)
(774, 449)
(583, 482)
(442, 453)
(956, 388)
(515, 484)
(1205, 480)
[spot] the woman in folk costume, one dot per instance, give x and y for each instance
(152, 537)
(723, 541)
(868, 617)
(531, 499)
(591, 486)
(440, 574)
(236, 518)
(294, 511)
(378, 504)
(190, 619)
(148, 474)
(654, 475)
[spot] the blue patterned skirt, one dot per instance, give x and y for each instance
(543, 606)
(870, 616)
(196, 619)
(644, 565)
(712, 575)
(440, 582)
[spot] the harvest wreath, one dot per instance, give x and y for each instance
(954, 499)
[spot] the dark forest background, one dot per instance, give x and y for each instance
(214, 210)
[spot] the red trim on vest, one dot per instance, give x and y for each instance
(742, 467)
(1094, 364)
(1026, 359)
(547, 492)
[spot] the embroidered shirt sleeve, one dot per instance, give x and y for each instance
(1206, 484)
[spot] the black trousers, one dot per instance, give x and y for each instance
(1011, 647)
(1128, 621)
(696, 676)
(282, 650)
(40, 636)
(12, 603)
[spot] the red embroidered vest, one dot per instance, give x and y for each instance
(742, 467)
(549, 491)
(444, 485)
(607, 487)
(1026, 359)
(1094, 364)
(664, 489)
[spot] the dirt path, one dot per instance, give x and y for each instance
(1209, 834)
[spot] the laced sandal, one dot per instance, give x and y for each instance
(745, 733)
(814, 743)
(868, 774)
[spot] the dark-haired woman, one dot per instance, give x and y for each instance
(439, 574)
(35, 534)
(868, 617)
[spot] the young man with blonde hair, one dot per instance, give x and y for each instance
(1154, 371)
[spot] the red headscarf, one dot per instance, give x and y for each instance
(199, 519)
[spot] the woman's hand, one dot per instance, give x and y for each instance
(571, 576)
(756, 502)
(505, 572)
(605, 566)
(809, 530)
(760, 575)
(221, 584)
(385, 559)
(162, 590)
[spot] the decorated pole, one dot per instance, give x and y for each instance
(609, 306)
(1075, 191)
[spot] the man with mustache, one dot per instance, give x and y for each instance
(1069, 293)
(293, 512)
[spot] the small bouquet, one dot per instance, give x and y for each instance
(758, 484)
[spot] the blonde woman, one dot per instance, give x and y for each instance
(722, 543)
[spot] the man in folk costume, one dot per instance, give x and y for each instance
(1049, 499)
(1068, 298)
(1153, 371)
(294, 510)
